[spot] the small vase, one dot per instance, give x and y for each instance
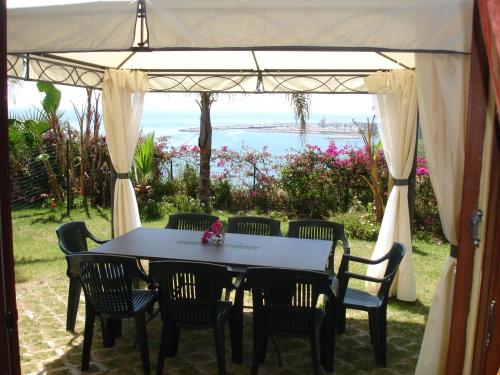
(217, 240)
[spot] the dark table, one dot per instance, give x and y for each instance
(238, 252)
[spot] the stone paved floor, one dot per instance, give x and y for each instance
(46, 348)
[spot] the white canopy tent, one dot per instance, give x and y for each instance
(235, 46)
(323, 46)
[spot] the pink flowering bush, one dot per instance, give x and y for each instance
(426, 215)
(314, 182)
(319, 182)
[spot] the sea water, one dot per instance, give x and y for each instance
(174, 125)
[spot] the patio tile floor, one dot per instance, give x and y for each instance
(46, 347)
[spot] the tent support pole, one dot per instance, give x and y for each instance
(9, 340)
(412, 182)
(476, 120)
(113, 183)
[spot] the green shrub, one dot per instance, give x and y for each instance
(426, 221)
(185, 203)
(151, 210)
(359, 222)
(221, 194)
(165, 188)
(241, 200)
(308, 182)
(190, 181)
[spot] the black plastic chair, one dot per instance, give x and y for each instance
(320, 230)
(190, 296)
(107, 284)
(190, 221)
(72, 239)
(261, 226)
(285, 301)
(375, 305)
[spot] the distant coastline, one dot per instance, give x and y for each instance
(334, 130)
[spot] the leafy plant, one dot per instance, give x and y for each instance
(373, 151)
(190, 181)
(52, 99)
(300, 102)
(359, 221)
(143, 160)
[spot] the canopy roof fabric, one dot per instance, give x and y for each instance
(232, 45)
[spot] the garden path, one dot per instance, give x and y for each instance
(46, 348)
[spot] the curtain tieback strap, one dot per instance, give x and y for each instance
(401, 182)
(122, 176)
(454, 251)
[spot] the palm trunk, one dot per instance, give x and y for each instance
(96, 159)
(205, 144)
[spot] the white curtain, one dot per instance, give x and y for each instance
(122, 99)
(443, 89)
(397, 101)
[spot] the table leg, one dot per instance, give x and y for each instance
(328, 337)
(236, 327)
(111, 329)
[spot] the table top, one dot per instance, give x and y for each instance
(238, 250)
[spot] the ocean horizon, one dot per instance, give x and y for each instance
(278, 143)
(170, 124)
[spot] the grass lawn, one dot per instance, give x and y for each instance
(42, 287)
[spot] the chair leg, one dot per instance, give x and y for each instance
(236, 327)
(108, 339)
(172, 333)
(315, 353)
(258, 347)
(340, 318)
(87, 336)
(265, 341)
(142, 338)
(371, 325)
(219, 347)
(328, 339)
(162, 353)
(73, 301)
(381, 341)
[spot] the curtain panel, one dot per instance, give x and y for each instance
(443, 89)
(123, 96)
(397, 101)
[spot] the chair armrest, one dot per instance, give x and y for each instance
(356, 259)
(141, 274)
(349, 275)
(331, 290)
(95, 239)
(345, 244)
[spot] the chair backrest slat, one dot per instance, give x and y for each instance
(261, 226)
(189, 291)
(318, 230)
(286, 299)
(106, 280)
(72, 237)
(190, 221)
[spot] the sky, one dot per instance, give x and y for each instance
(25, 95)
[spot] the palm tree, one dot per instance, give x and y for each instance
(205, 144)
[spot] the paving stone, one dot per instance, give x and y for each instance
(46, 347)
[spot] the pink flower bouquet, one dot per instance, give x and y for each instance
(214, 234)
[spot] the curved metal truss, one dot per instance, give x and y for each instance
(67, 72)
